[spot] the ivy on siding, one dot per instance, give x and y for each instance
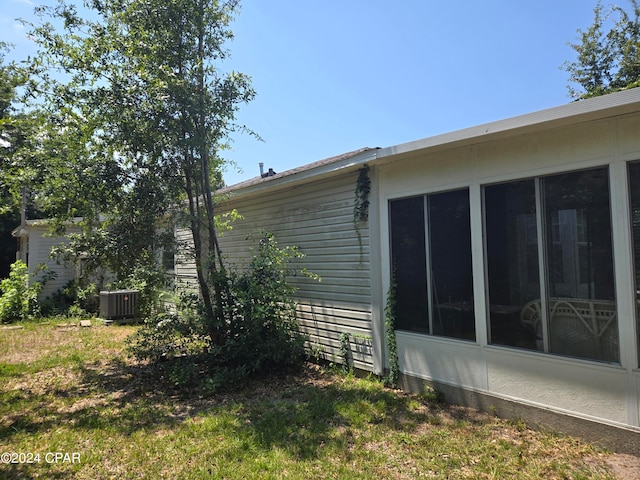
(390, 335)
(345, 351)
(363, 188)
(361, 204)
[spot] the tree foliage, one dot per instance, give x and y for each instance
(139, 112)
(261, 335)
(18, 299)
(7, 217)
(17, 128)
(608, 53)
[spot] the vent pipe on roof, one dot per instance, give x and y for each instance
(270, 173)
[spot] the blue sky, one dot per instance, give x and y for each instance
(337, 75)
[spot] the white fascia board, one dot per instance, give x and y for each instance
(619, 103)
(40, 223)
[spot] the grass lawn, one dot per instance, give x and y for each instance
(75, 406)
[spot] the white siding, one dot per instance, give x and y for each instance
(185, 268)
(607, 393)
(40, 245)
(318, 219)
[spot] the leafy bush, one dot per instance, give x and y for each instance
(166, 335)
(261, 333)
(18, 299)
(149, 279)
(72, 300)
(264, 331)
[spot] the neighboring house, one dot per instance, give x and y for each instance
(515, 250)
(34, 247)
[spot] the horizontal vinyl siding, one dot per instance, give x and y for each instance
(318, 219)
(40, 245)
(185, 267)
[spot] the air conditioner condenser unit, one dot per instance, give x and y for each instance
(118, 304)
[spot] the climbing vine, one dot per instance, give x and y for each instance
(345, 351)
(361, 204)
(363, 188)
(390, 335)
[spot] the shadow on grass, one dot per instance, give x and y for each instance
(304, 415)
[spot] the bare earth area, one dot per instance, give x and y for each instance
(624, 466)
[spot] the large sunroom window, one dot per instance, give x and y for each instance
(550, 265)
(431, 262)
(634, 188)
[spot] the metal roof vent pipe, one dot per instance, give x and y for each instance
(261, 169)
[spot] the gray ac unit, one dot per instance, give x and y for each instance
(117, 304)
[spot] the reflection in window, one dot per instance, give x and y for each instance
(512, 262)
(451, 275)
(408, 257)
(582, 314)
(634, 188)
(431, 261)
(578, 315)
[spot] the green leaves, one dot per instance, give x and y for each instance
(390, 335)
(18, 299)
(136, 112)
(607, 61)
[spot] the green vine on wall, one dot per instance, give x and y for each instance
(363, 188)
(361, 204)
(345, 351)
(390, 335)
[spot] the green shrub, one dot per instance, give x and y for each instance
(166, 335)
(18, 299)
(264, 331)
(149, 279)
(261, 332)
(75, 299)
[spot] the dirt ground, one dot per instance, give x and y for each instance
(625, 467)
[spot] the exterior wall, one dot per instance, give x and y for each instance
(315, 213)
(185, 267)
(39, 247)
(317, 218)
(603, 392)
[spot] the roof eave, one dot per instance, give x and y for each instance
(317, 170)
(602, 107)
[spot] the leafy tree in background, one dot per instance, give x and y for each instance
(608, 55)
(15, 130)
(139, 111)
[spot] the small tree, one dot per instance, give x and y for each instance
(263, 333)
(608, 55)
(9, 216)
(139, 118)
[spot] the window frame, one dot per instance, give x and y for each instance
(429, 264)
(544, 242)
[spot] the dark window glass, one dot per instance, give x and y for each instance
(580, 318)
(512, 265)
(168, 258)
(451, 270)
(582, 309)
(408, 257)
(634, 188)
(434, 284)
